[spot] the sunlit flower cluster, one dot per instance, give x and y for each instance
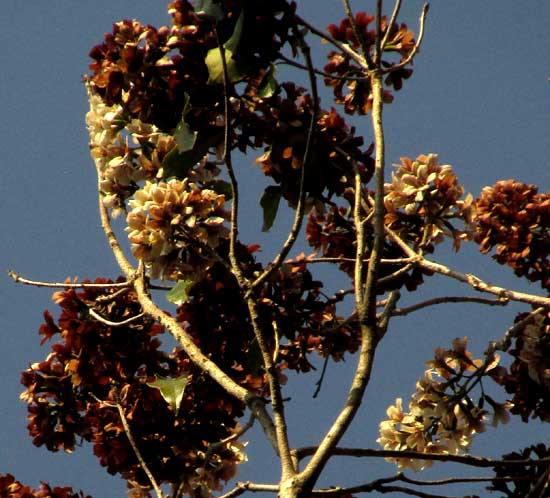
(425, 189)
(173, 224)
(126, 152)
(442, 418)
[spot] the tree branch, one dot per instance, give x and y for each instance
(473, 281)
(299, 215)
(139, 457)
(470, 460)
(254, 403)
(448, 299)
(66, 285)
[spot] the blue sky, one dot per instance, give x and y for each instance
(479, 97)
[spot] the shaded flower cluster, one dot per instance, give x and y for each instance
(329, 170)
(528, 377)
(73, 394)
(523, 478)
(355, 93)
(10, 488)
(515, 219)
(442, 418)
(173, 225)
(291, 307)
(422, 200)
(333, 234)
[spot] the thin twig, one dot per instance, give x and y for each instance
(360, 37)
(66, 285)
(342, 47)
(504, 343)
(99, 318)
(300, 207)
(448, 299)
(139, 457)
(387, 313)
(234, 231)
(470, 460)
(472, 280)
(319, 383)
(394, 14)
(416, 47)
(290, 62)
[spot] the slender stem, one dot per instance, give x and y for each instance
(66, 285)
(234, 231)
(300, 207)
(139, 457)
(277, 404)
(470, 460)
(394, 14)
(472, 280)
(99, 318)
(342, 47)
(448, 299)
(369, 302)
(358, 34)
(416, 47)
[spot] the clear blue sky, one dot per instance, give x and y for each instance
(479, 97)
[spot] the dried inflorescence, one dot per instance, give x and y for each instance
(442, 418)
(528, 377)
(355, 93)
(73, 393)
(10, 488)
(422, 200)
(513, 217)
(518, 481)
(174, 225)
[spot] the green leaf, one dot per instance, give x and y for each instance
(270, 205)
(184, 136)
(171, 389)
(214, 63)
(180, 292)
(221, 187)
(177, 164)
(208, 8)
(269, 84)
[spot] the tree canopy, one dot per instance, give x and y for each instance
(171, 110)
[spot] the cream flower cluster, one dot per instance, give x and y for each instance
(125, 152)
(173, 224)
(536, 342)
(427, 189)
(441, 418)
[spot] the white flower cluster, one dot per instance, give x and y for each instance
(427, 189)
(173, 224)
(125, 152)
(440, 419)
